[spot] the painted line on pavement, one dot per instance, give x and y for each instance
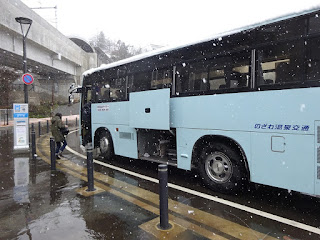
(209, 197)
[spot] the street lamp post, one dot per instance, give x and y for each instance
(24, 22)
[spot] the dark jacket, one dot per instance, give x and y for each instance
(56, 125)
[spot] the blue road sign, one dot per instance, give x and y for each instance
(27, 78)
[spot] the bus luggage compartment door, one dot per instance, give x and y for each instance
(150, 109)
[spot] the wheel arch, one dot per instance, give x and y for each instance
(207, 139)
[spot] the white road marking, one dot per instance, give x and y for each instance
(209, 197)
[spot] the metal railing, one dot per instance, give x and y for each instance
(6, 115)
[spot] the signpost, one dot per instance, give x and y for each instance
(21, 126)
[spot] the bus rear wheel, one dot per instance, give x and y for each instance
(106, 145)
(222, 168)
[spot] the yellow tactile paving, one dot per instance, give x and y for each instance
(202, 218)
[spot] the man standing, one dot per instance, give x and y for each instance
(56, 127)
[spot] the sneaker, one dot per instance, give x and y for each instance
(57, 157)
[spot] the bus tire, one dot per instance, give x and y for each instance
(106, 145)
(222, 168)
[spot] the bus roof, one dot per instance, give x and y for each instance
(217, 36)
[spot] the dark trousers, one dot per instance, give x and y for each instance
(59, 148)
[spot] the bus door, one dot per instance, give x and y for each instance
(150, 109)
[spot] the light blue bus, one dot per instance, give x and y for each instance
(243, 106)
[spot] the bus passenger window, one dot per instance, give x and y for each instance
(141, 81)
(314, 22)
(192, 78)
(198, 77)
(105, 93)
(118, 89)
(238, 73)
(182, 77)
(280, 64)
(239, 79)
(313, 60)
(130, 86)
(217, 79)
(161, 79)
(102, 91)
(230, 71)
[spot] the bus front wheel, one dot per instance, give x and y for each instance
(222, 168)
(106, 145)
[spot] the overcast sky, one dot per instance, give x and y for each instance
(162, 22)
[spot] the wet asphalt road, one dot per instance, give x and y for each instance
(36, 203)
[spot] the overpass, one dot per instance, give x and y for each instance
(53, 59)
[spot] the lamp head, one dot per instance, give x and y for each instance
(23, 20)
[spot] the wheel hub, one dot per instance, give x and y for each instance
(218, 167)
(104, 144)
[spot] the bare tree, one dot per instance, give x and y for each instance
(121, 51)
(7, 77)
(116, 49)
(102, 42)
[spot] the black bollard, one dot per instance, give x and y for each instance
(53, 153)
(47, 126)
(76, 122)
(163, 196)
(90, 168)
(7, 117)
(32, 126)
(33, 143)
(39, 126)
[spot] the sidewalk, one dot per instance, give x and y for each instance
(70, 112)
(71, 118)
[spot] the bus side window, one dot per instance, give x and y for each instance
(141, 81)
(198, 77)
(239, 71)
(167, 78)
(216, 79)
(102, 91)
(280, 64)
(130, 86)
(105, 93)
(192, 78)
(118, 89)
(182, 77)
(161, 79)
(231, 71)
(313, 60)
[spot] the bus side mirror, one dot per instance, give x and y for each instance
(72, 91)
(75, 90)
